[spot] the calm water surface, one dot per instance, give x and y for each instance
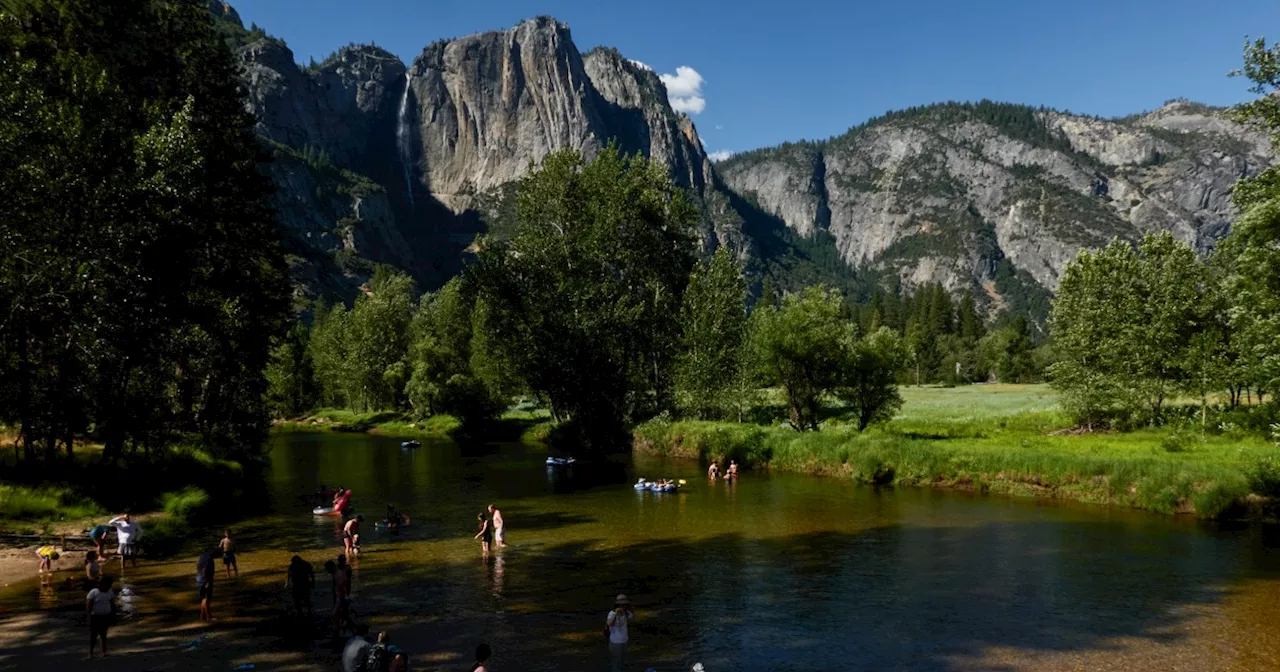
(776, 572)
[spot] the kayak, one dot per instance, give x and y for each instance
(382, 524)
(333, 510)
(410, 444)
(560, 461)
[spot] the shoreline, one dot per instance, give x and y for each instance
(895, 458)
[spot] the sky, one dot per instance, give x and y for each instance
(754, 74)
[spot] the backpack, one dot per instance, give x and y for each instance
(375, 659)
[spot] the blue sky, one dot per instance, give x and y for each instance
(777, 71)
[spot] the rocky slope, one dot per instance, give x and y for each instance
(999, 197)
(379, 162)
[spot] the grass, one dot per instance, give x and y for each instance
(1006, 439)
(44, 504)
(376, 422)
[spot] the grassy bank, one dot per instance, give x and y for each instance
(1004, 439)
(515, 424)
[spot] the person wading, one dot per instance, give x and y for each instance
(485, 535)
(100, 605)
(498, 523)
(616, 623)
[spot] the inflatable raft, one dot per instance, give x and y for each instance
(382, 524)
(560, 461)
(410, 444)
(335, 510)
(653, 486)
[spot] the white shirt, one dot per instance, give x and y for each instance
(353, 653)
(100, 602)
(618, 630)
(125, 531)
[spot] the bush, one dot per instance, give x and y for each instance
(1264, 477)
(187, 505)
(19, 503)
(1180, 440)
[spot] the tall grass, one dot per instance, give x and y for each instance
(1001, 439)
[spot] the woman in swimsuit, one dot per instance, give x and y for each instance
(485, 535)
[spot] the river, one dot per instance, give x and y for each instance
(777, 572)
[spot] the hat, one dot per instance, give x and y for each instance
(622, 599)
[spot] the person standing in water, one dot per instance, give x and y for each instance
(301, 580)
(351, 535)
(98, 535)
(92, 570)
(128, 534)
(206, 572)
(100, 605)
(616, 622)
(713, 471)
(47, 555)
(496, 516)
(485, 535)
(228, 547)
(733, 469)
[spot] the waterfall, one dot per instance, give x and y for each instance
(402, 138)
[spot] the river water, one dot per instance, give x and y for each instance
(777, 572)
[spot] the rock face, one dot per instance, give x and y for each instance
(967, 195)
(380, 162)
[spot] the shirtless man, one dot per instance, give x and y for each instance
(713, 471)
(733, 469)
(351, 535)
(228, 547)
(496, 515)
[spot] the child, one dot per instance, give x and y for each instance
(47, 555)
(229, 553)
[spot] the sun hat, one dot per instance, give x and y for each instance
(622, 599)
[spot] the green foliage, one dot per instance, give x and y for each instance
(583, 298)
(142, 279)
(189, 504)
(22, 503)
(1264, 477)
(868, 382)
(291, 375)
(714, 320)
(1124, 323)
(802, 346)
(446, 378)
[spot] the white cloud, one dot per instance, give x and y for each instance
(684, 90)
(717, 157)
(719, 127)
(641, 65)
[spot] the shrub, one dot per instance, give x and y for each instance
(186, 505)
(1264, 477)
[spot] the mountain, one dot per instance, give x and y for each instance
(998, 198)
(376, 161)
(381, 162)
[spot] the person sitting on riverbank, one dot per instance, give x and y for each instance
(301, 580)
(206, 572)
(356, 649)
(228, 547)
(98, 535)
(128, 534)
(351, 535)
(713, 471)
(92, 570)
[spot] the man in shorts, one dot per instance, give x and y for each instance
(228, 547)
(498, 523)
(301, 580)
(351, 535)
(128, 534)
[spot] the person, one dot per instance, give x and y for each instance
(733, 469)
(356, 649)
(393, 519)
(206, 571)
(301, 580)
(483, 654)
(485, 535)
(383, 656)
(92, 570)
(337, 496)
(351, 535)
(98, 535)
(100, 605)
(47, 555)
(128, 534)
(341, 595)
(617, 622)
(713, 471)
(228, 547)
(498, 523)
